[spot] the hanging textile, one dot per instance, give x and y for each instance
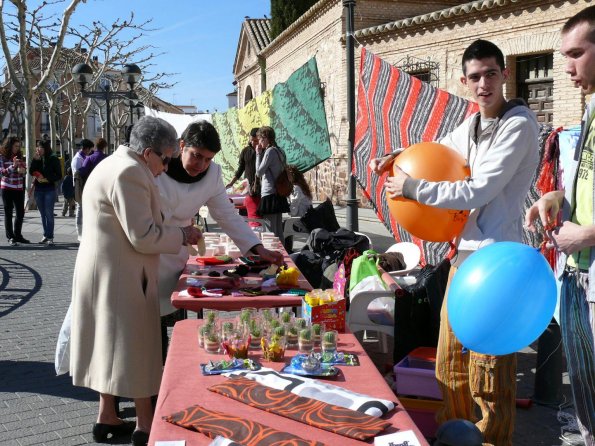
(295, 110)
(397, 110)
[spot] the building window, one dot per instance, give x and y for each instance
(248, 95)
(535, 84)
(425, 70)
(45, 122)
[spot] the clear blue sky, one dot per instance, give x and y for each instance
(199, 39)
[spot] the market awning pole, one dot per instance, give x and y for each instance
(351, 201)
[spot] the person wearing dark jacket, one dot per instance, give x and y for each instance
(68, 192)
(247, 167)
(46, 169)
(95, 158)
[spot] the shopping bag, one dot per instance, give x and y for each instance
(365, 267)
(62, 359)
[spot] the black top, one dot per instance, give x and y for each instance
(247, 164)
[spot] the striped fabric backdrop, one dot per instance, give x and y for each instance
(397, 110)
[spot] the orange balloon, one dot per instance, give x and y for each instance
(432, 162)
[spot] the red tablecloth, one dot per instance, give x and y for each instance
(184, 385)
(230, 303)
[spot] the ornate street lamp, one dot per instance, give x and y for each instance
(131, 74)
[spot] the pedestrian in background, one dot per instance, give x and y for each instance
(76, 164)
(68, 193)
(91, 161)
(47, 171)
(247, 167)
(13, 169)
(270, 162)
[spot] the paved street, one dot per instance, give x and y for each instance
(36, 407)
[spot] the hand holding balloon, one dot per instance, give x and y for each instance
(394, 184)
(432, 162)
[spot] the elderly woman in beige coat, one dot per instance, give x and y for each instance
(115, 340)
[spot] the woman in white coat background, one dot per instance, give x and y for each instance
(115, 340)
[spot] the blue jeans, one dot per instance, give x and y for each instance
(45, 199)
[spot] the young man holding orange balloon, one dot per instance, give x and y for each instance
(574, 238)
(500, 145)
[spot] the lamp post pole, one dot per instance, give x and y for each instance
(351, 201)
(82, 73)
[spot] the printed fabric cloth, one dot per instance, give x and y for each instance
(396, 110)
(236, 428)
(339, 420)
(318, 390)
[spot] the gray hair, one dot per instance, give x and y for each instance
(155, 133)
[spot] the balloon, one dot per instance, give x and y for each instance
(458, 432)
(501, 298)
(433, 162)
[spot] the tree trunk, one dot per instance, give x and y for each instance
(29, 104)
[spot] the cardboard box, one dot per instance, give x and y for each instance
(423, 414)
(331, 314)
(416, 381)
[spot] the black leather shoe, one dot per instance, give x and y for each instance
(102, 431)
(140, 438)
(22, 240)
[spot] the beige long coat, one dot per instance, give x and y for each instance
(116, 339)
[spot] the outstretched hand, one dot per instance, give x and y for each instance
(270, 256)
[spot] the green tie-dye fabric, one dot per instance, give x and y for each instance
(295, 109)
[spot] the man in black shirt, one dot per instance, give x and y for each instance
(247, 167)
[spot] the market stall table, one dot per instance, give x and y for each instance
(183, 385)
(229, 302)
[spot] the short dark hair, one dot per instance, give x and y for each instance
(87, 144)
(587, 15)
(202, 135)
(100, 144)
(482, 49)
(254, 132)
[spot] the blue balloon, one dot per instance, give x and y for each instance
(501, 298)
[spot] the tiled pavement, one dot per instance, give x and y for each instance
(36, 407)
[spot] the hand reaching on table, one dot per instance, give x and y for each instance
(191, 235)
(270, 256)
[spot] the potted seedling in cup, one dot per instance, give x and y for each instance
(329, 343)
(305, 341)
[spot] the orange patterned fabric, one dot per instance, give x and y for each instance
(325, 416)
(248, 433)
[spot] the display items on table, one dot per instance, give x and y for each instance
(325, 307)
(332, 418)
(305, 340)
(226, 366)
(273, 345)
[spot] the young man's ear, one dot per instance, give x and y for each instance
(464, 80)
(505, 73)
(182, 145)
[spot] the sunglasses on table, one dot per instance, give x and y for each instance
(164, 159)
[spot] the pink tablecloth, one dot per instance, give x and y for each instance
(183, 385)
(230, 303)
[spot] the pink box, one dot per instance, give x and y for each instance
(416, 381)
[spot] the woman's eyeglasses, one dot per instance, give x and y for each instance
(164, 159)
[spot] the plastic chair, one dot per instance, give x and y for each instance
(358, 317)
(368, 237)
